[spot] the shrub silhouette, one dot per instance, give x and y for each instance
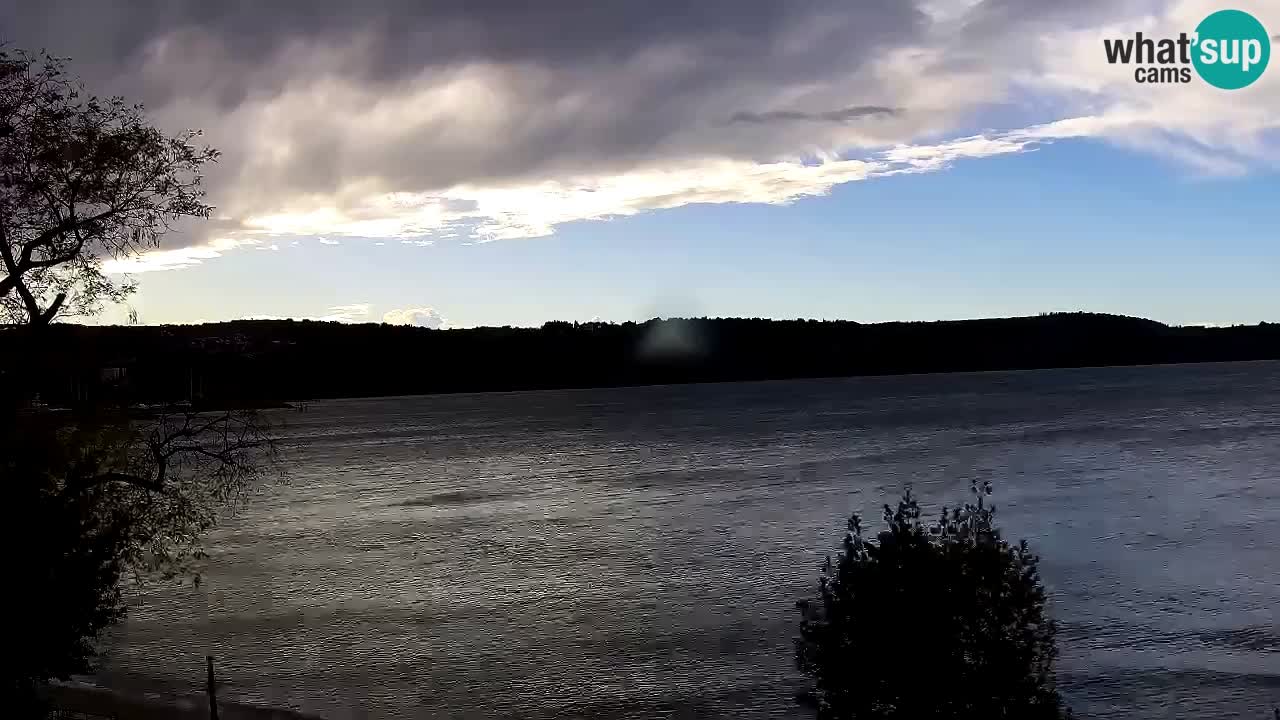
(930, 620)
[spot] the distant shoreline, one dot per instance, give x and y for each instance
(260, 364)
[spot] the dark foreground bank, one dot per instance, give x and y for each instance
(77, 700)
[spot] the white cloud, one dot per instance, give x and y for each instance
(419, 316)
(535, 210)
(352, 313)
(349, 313)
(176, 259)
(1210, 131)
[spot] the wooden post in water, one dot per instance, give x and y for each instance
(213, 697)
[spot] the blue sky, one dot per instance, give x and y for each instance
(863, 159)
(1075, 225)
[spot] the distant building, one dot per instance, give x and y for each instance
(113, 375)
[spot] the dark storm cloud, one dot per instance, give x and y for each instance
(830, 116)
(599, 85)
(999, 16)
(110, 40)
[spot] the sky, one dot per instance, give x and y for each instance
(460, 163)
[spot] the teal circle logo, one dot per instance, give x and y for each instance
(1231, 49)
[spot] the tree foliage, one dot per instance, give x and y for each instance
(930, 620)
(96, 501)
(82, 179)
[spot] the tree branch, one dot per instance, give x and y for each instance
(14, 278)
(46, 317)
(69, 224)
(124, 478)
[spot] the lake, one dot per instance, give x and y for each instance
(638, 552)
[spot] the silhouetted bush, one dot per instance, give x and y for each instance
(930, 620)
(91, 500)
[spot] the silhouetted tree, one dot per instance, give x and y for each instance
(930, 620)
(102, 494)
(81, 179)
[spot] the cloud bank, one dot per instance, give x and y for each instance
(501, 119)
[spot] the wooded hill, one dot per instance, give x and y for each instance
(265, 361)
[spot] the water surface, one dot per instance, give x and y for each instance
(636, 553)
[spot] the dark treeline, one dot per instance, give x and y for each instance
(263, 361)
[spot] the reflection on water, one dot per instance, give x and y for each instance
(637, 553)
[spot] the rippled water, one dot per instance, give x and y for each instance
(637, 553)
